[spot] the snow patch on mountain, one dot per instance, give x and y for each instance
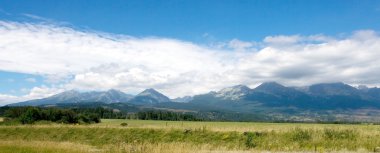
(233, 93)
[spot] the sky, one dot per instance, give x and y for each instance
(184, 47)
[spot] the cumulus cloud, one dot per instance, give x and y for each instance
(34, 93)
(6, 99)
(88, 60)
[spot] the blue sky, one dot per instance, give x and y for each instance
(191, 19)
(53, 46)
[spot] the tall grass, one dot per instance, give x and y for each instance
(126, 138)
(163, 136)
(21, 146)
(236, 126)
(43, 147)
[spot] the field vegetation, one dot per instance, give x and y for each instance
(120, 135)
(30, 115)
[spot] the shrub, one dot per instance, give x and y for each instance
(88, 118)
(124, 124)
(301, 135)
(30, 116)
(250, 139)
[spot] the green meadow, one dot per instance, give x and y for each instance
(119, 135)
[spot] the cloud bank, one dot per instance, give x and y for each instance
(89, 60)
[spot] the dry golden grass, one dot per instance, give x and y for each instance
(174, 147)
(1, 119)
(215, 126)
(21, 146)
(365, 129)
(68, 147)
(168, 137)
(15, 146)
(188, 148)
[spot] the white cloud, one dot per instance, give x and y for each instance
(86, 60)
(36, 17)
(34, 93)
(6, 99)
(281, 39)
(32, 80)
(40, 92)
(239, 45)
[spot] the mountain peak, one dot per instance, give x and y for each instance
(268, 86)
(150, 96)
(278, 90)
(234, 92)
(235, 88)
(71, 92)
(240, 86)
(114, 91)
(149, 91)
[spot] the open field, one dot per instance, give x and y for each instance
(43, 147)
(234, 126)
(177, 136)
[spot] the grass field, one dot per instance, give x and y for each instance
(177, 136)
(234, 126)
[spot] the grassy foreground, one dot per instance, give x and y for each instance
(235, 126)
(171, 136)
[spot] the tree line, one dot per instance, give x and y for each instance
(163, 115)
(106, 113)
(29, 115)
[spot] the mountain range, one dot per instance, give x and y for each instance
(148, 96)
(269, 99)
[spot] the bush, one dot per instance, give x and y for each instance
(30, 116)
(124, 124)
(301, 135)
(88, 118)
(250, 141)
